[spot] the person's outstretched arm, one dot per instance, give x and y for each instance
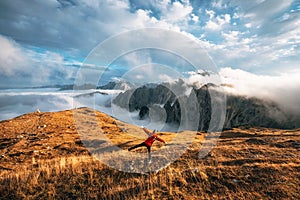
(148, 132)
(161, 140)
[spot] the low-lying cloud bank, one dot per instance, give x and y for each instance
(283, 89)
(15, 103)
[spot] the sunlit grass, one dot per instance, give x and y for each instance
(245, 164)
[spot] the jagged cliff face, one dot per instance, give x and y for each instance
(251, 112)
(197, 106)
(144, 96)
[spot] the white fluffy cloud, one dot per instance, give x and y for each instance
(12, 57)
(177, 12)
(216, 23)
(24, 67)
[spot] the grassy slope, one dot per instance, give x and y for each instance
(41, 156)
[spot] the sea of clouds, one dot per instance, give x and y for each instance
(283, 89)
(15, 102)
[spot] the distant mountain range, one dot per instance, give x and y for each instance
(240, 110)
(112, 85)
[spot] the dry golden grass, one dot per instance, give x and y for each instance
(50, 162)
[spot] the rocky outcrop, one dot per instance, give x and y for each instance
(144, 112)
(109, 86)
(116, 85)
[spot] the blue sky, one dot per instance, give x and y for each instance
(44, 42)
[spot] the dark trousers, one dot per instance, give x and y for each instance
(143, 144)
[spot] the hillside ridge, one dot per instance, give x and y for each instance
(43, 156)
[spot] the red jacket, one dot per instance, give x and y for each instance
(152, 137)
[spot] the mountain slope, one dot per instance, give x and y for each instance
(42, 157)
